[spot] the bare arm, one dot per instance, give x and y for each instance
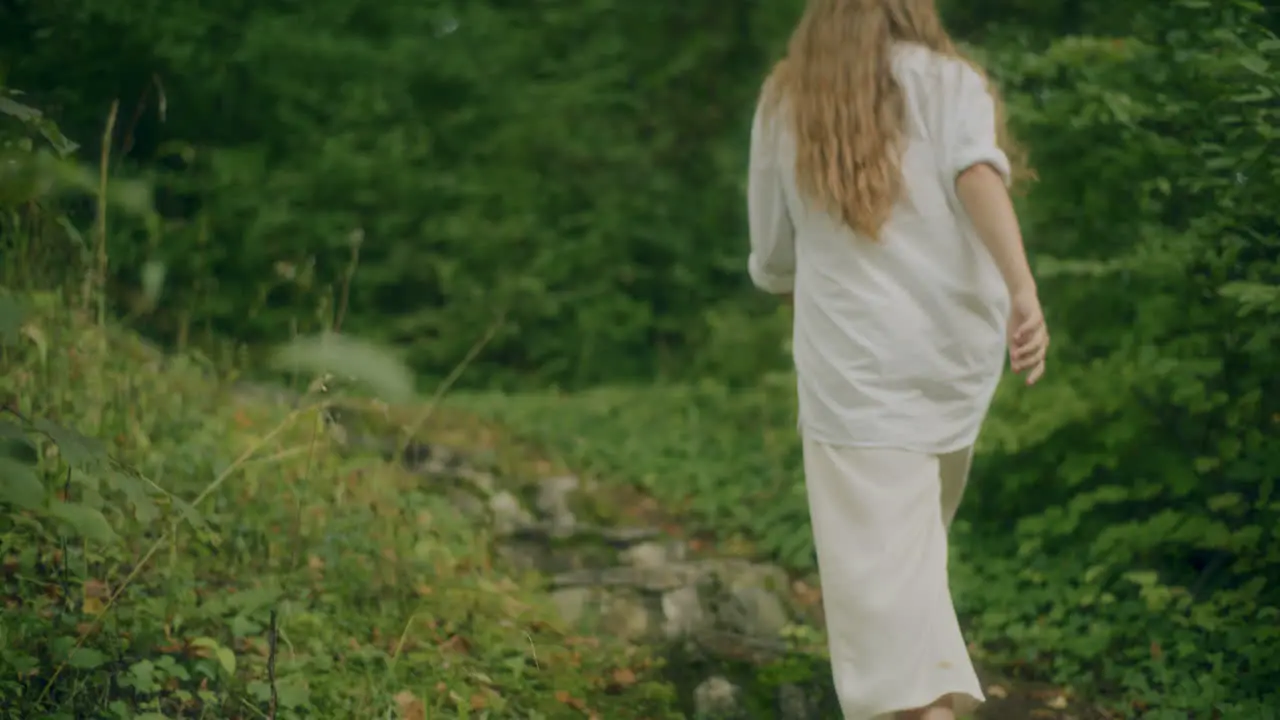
(983, 193)
(985, 197)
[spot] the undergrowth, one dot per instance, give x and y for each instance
(168, 550)
(1038, 598)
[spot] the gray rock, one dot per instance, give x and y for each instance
(795, 704)
(628, 617)
(483, 482)
(572, 603)
(467, 504)
(508, 514)
(554, 502)
(756, 612)
(647, 555)
(682, 614)
(717, 699)
(628, 582)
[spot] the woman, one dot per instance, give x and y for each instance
(878, 196)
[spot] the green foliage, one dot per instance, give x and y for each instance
(1120, 533)
(170, 549)
(682, 444)
(577, 172)
(173, 550)
(490, 170)
(374, 367)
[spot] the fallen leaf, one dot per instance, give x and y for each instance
(626, 677)
(478, 702)
(998, 692)
(410, 707)
(1058, 703)
(96, 588)
(457, 643)
(805, 593)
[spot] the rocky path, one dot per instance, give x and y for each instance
(742, 637)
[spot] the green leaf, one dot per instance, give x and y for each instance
(346, 357)
(1142, 578)
(153, 274)
(144, 509)
(20, 486)
(73, 233)
(14, 109)
(293, 692)
(12, 316)
(253, 599)
(13, 432)
(1218, 503)
(76, 449)
(193, 518)
(85, 521)
(226, 658)
(85, 658)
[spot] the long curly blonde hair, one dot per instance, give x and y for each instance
(846, 109)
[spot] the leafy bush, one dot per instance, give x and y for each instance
(488, 172)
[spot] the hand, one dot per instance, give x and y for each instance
(1028, 336)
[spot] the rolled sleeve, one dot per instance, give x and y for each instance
(776, 283)
(970, 117)
(772, 264)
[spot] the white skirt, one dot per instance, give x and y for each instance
(880, 520)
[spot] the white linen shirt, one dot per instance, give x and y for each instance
(898, 342)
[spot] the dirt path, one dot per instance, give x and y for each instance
(625, 506)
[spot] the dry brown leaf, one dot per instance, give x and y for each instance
(998, 692)
(626, 677)
(96, 589)
(456, 643)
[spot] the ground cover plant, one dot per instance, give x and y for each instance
(169, 551)
(1116, 628)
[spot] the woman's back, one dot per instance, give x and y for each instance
(879, 202)
(899, 340)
